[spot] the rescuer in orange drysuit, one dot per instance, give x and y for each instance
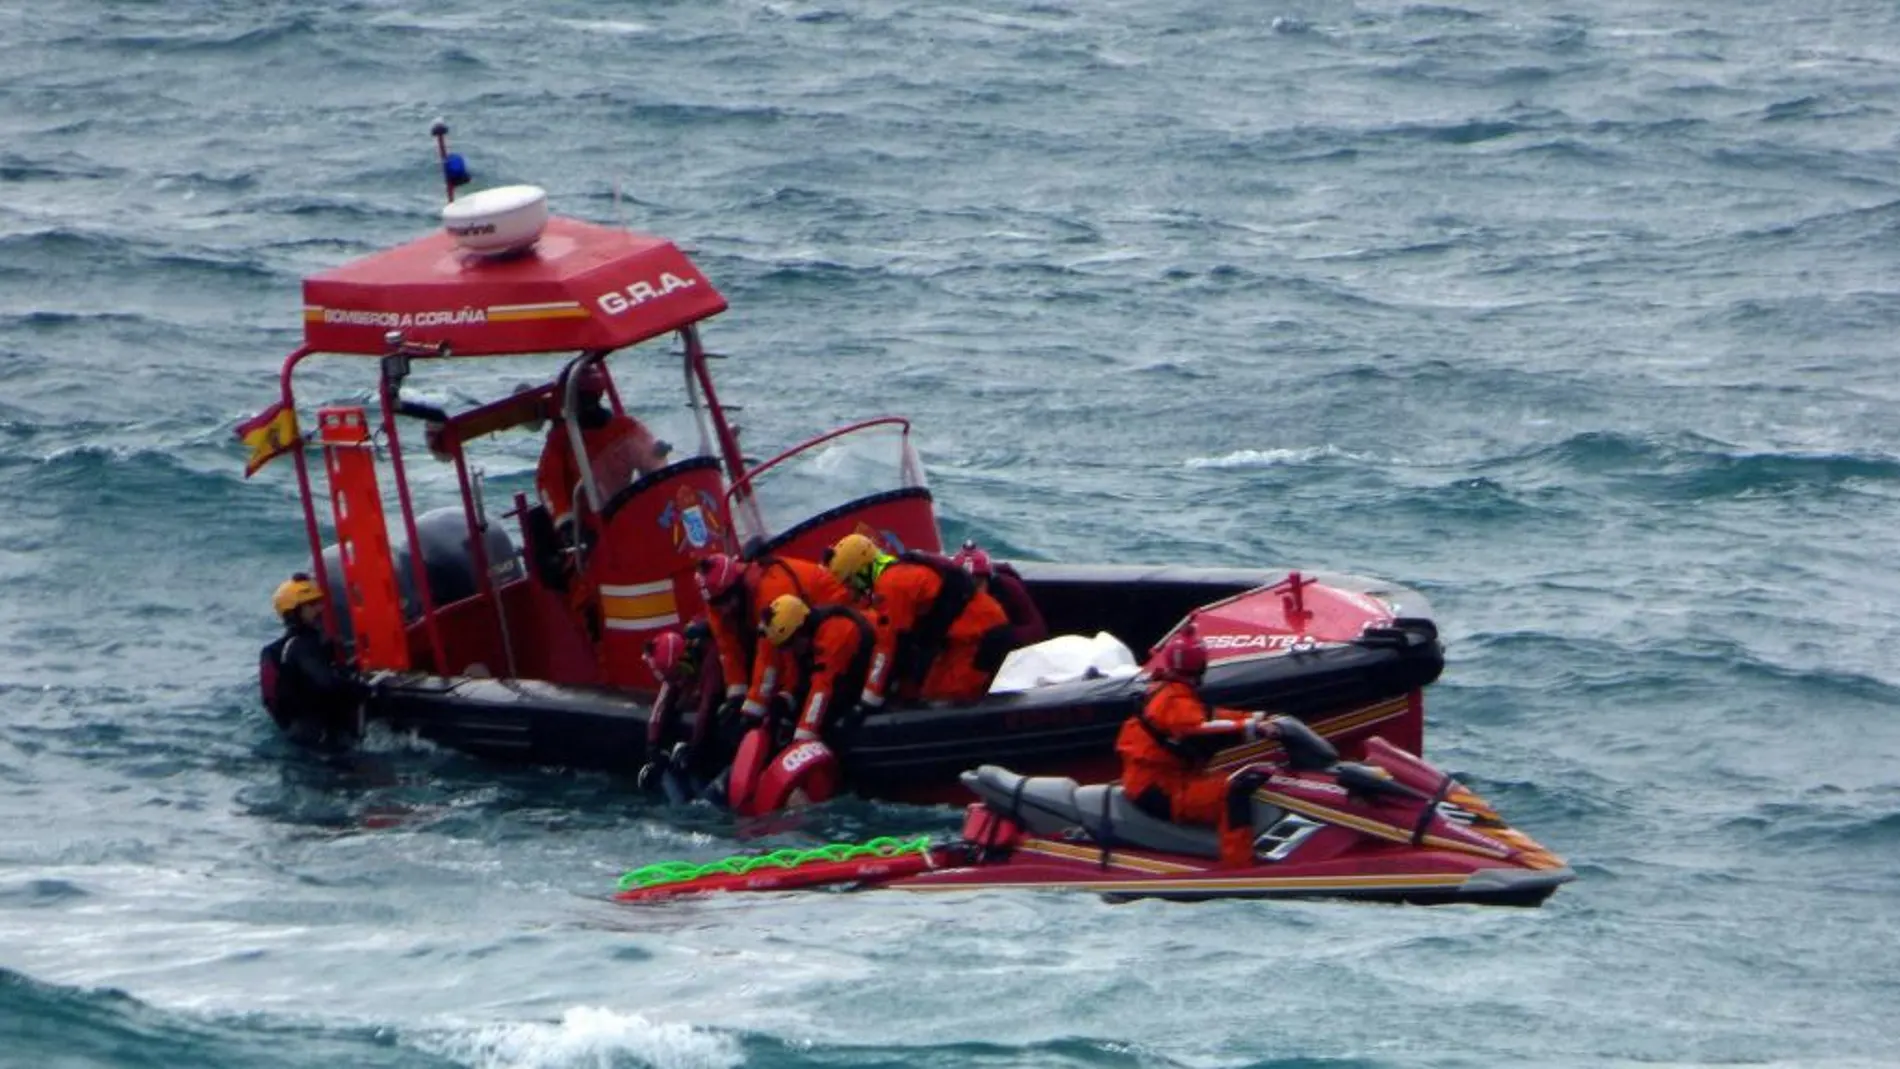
(934, 626)
(1001, 582)
(735, 592)
(825, 654)
(619, 448)
(1165, 746)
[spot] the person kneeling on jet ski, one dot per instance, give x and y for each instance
(1165, 747)
(311, 696)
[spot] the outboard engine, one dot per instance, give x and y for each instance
(443, 535)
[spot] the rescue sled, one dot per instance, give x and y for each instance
(485, 628)
(1390, 829)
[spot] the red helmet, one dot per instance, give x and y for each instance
(719, 575)
(666, 655)
(974, 561)
(1181, 657)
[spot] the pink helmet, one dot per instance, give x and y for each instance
(719, 575)
(666, 655)
(1182, 657)
(974, 561)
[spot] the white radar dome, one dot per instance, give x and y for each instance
(503, 219)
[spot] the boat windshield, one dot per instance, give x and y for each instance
(827, 474)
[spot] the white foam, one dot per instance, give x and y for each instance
(379, 737)
(1267, 458)
(616, 27)
(587, 1037)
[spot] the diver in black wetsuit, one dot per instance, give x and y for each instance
(314, 699)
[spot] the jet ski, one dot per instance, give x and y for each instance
(1388, 828)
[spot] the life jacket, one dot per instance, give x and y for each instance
(1012, 593)
(270, 661)
(767, 564)
(1192, 752)
(916, 650)
(849, 688)
(286, 693)
(1174, 746)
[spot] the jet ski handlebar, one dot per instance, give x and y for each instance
(1306, 750)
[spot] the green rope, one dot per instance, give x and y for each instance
(661, 872)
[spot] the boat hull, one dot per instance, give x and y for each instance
(1346, 691)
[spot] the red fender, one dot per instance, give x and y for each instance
(806, 772)
(748, 763)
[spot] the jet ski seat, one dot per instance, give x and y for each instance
(1050, 805)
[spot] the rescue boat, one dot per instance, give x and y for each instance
(488, 630)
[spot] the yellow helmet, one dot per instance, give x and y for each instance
(851, 559)
(782, 619)
(294, 593)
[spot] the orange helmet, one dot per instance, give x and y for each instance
(294, 593)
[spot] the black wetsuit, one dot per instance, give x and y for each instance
(312, 699)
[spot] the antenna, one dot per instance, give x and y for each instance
(454, 167)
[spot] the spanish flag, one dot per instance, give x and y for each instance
(268, 434)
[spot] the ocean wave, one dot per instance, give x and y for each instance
(59, 243)
(47, 1024)
(41, 893)
(1868, 310)
(1705, 670)
(1692, 467)
(42, 252)
(1467, 132)
(61, 168)
(611, 27)
(1273, 458)
(157, 472)
(42, 318)
(209, 38)
(584, 1036)
(1821, 827)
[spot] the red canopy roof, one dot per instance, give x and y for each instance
(581, 287)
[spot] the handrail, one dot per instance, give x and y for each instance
(744, 482)
(332, 627)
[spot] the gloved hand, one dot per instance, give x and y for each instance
(729, 708)
(1262, 726)
(649, 778)
(681, 759)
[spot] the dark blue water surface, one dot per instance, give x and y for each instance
(1577, 317)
